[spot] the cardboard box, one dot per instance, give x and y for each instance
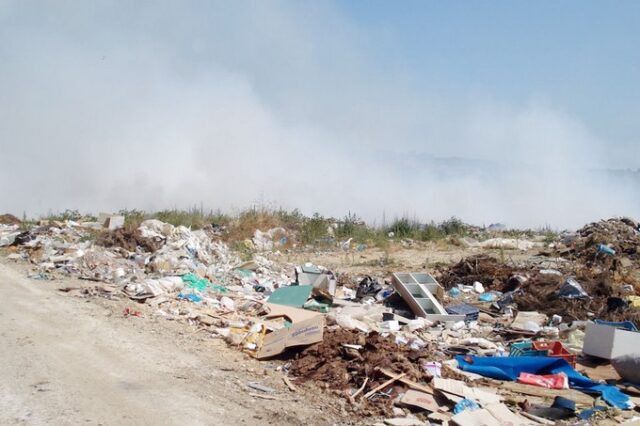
(604, 341)
(306, 327)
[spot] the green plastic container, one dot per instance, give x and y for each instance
(526, 349)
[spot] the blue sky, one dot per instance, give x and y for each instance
(579, 55)
(156, 104)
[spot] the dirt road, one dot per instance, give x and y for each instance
(68, 360)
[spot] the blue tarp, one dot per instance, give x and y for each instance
(509, 368)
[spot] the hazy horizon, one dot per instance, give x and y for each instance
(498, 112)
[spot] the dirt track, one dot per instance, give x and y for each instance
(68, 360)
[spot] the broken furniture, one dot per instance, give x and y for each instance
(421, 292)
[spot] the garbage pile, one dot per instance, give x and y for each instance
(9, 219)
(603, 240)
(480, 268)
(494, 344)
(574, 290)
(144, 262)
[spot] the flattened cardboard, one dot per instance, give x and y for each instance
(421, 400)
(459, 388)
(479, 417)
(307, 327)
(505, 416)
(492, 415)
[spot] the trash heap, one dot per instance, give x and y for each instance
(144, 262)
(571, 289)
(603, 240)
(478, 342)
(407, 350)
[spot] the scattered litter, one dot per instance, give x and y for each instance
(190, 297)
(465, 405)
(380, 340)
(289, 384)
(128, 312)
(549, 381)
(260, 387)
(571, 289)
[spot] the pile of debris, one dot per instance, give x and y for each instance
(9, 219)
(480, 268)
(575, 290)
(603, 240)
(495, 344)
(347, 360)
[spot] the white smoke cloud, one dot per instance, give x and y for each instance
(153, 106)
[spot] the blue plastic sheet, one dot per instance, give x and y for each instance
(509, 368)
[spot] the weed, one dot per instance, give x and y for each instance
(64, 216)
(313, 229)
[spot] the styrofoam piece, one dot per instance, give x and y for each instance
(604, 341)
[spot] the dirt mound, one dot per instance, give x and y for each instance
(493, 274)
(343, 369)
(9, 219)
(128, 239)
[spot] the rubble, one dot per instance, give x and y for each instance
(619, 236)
(401, 348)
(129, 240)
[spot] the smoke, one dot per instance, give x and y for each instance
(105, 106)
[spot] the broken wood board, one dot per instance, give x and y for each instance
(384, 385)
(407, 381)
(579, 397)
(289, 384)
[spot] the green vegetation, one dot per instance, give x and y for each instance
(66, 215)
(406, 228)
(315, 230)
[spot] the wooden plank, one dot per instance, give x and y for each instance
(407, 381)
(352, 398)
(384, 385)
(577, 396)
(290, 385)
